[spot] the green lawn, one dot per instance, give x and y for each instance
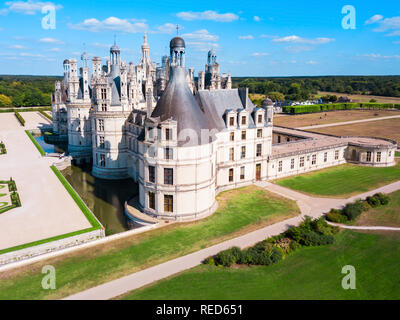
(308, 273)
(241, 211)
(397, 154)
(342, 181)
(40, 149)
(388, 215)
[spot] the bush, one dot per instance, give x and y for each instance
(373, 201)
(20, 119)
(383, 199)
(210, 261)
(353, 210)
(337, 217)
(312, 238)
(227, 257)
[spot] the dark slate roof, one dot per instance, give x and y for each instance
(177, 42)
(215, 103)
(178, 103)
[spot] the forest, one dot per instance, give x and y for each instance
(26, 91)
(303, 88)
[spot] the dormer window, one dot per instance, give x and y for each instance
(168, 134)
(243, 120)
(231, 121)
(259, 118)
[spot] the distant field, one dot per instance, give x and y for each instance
(303, 120)
(342, 181)
(383, 128)
(361, 97)
(308, 273)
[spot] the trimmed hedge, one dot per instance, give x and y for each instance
(46, 115)
(3, 149)
(20, 119)
(25, 109)
(37, 145)
(338, 106)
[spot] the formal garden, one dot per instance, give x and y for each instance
(9, 198)
(3, 149)
(342, 181)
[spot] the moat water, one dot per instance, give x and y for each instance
(105, 198)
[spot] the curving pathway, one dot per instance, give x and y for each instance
(344, 226)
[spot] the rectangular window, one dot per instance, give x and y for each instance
(292, 164)
(232, 136)
(232, 154)
(168, 176)
(258, 153)
(369, 156)
(101, 125)
(168, 153)
(104, 107)
(152, 174)
(241, 173)
(243, 153)
(152, 200)
(168, 203)
(336, 154)
(231, 121)
(301, 162)
(101, 142)
(168, 134)
(243, 135)
(259, 133)
(230, 175)
(280, 166)
(104, 93)
(314, 159)
(279, 139)
(325, 156)
(102, 160)
(243, 120)
(259, 118)
(378, 156)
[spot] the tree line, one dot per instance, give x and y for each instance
(304, 88)
(26, 91)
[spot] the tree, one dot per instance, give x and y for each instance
(274, 95)
(5, 101)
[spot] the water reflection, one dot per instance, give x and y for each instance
(104, 197)
(50, 148)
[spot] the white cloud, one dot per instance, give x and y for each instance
(29, 7)
(17, 46)
(202, 46)
(248, 37)
(374, 19)
(29, 54)
(51, 40)
(394, 33)
(55, 50)
(297, 39)
(110, 24)
(260, 54)
(388, 24)
(298, 49)
(207, 15)
(202, 35)
(380, 56)
(168, 28)
(257, 18)
(312, 62)
(267, 36)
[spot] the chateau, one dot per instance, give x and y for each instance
(182, 140)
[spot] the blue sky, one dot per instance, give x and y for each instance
(251, 38)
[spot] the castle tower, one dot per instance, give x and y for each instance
(84, 73)
(96, 67)
(73, 80)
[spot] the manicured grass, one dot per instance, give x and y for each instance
(388, 215)
(15, 201)
(342, 181)
(46, 115)
(308, 273)
(40, 149)
(397, 154)
(240, 211)
(20, 118)
(25, 110)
